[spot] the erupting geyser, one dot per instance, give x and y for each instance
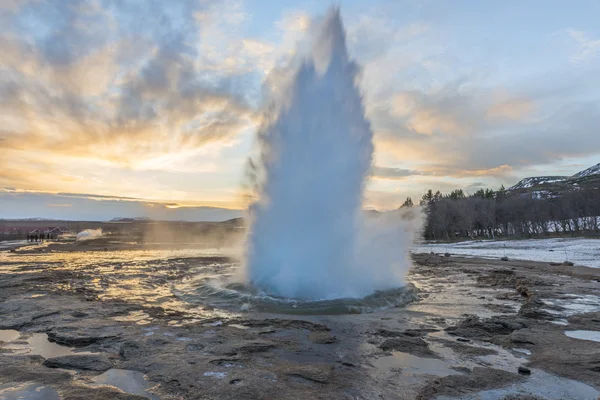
(309, 237)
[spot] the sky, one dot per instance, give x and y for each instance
(127, 106)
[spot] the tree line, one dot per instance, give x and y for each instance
(498, 213)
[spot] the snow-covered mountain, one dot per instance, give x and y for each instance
(537, 180)
(594, 170)
(557, 184)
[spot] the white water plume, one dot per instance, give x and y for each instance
(89, 234)
(309, 237)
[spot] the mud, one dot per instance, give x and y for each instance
(125, 333)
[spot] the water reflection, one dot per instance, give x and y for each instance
(133, 382)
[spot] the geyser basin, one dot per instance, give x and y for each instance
(309, 238)
(237, 297)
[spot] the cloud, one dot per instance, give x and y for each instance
(392, 173)
(588, 48)
(119, 82)
(477, 185)
(23, 204)
(462, 129)
(511, 108)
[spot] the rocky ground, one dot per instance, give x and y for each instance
(481, 329)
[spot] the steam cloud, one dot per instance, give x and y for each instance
(309, 238)
(89, 234)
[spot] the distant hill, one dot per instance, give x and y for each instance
(125, 219)
(548, 186)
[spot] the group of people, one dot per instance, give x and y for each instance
(39, 237)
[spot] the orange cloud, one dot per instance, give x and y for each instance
(512, 109)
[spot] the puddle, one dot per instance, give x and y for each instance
(8, 335)
(523, 351)
(27, 390)
(413, 365)
(133, 382)
(218, 375)
(561, 322)
(575, 305)
(238, 326)
(149, 331)
(38, 344)
(539, 385)
(593, 336)
(139, 317)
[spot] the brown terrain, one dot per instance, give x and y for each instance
(100, 320)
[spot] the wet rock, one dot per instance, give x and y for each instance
(322, 338)
(79, 314)
(408, 344)
(78, 338)
(568, 263)
(463, 370)
(462, 348)
(533, 310)
(227, 362)
(255, 347)
(129, 350)
(90, 362)
(409, 332)
(463, 340)
(313, 373)
(283, 324)
(458, 385)
(498, 277)
(389, 334)
(87, 393)
(523, 336)
(500, 308)
(524, 370)
(474, 327)
(194, 347)
(15, 323)
(524, 291)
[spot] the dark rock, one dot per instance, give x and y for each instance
(78, 338)
(408, 344)
(504, 258)
(459, 347)
(532, 310)
(524, 370)
(463, 339)
(79, 314)
(313, 373)
(568, 263)
(255, 347)
(130, 350)
(474, 327)
(499, 277)
(463, 370)
(524, 336)
(322, 338)
(446, 254)
(90, 362)
(282, 323)
(458, 385)
(194, 347)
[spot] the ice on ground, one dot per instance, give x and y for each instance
(593, 336)
(585, 252)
